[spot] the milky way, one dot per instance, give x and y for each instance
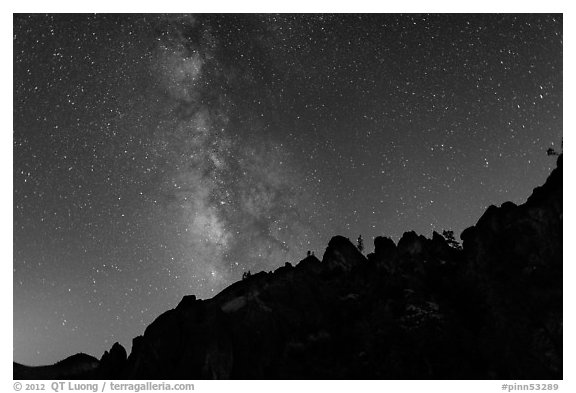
(230, 195)
(162, 155)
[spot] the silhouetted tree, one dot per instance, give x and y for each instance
(246, 275)
(360, 244)
(451, 240)
(308, 253)
(553, 152)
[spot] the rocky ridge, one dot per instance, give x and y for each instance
(419, 309)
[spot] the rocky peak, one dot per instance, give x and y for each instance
(310, 264)
(411, 244)
(384, 246)
(342, 255)
(112, 363)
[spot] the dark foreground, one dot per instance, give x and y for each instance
(421, 309)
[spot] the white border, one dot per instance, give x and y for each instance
(296, 6)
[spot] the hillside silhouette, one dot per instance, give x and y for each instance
(420, 309)
(78, 366)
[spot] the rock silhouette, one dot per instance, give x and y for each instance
(420, 309)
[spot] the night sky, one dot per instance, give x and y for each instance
(157, 156)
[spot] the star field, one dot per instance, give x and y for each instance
(162, 155)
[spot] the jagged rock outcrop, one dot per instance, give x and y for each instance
(384, 254)
(112, 363)
(310, 264)
(342, 255)
(411, 244)
(421, 309)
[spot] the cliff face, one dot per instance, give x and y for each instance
(513, 261)
(419, 309)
